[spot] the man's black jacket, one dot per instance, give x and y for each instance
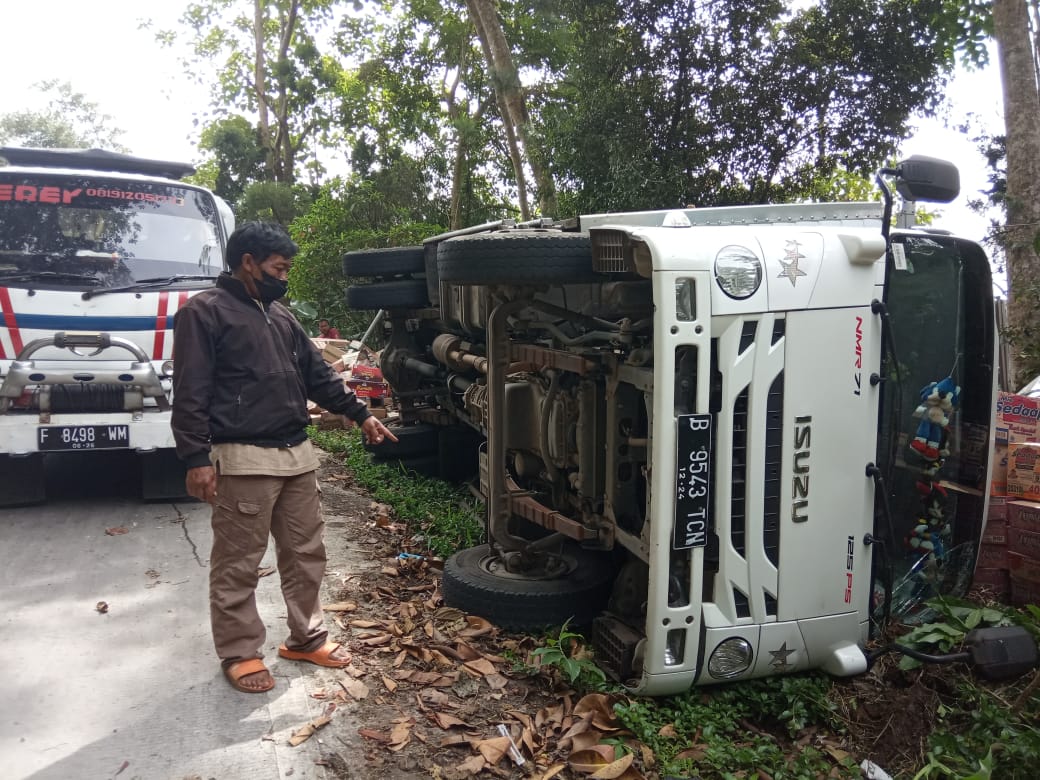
(243, 373)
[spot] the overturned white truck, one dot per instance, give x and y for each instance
(730, 439)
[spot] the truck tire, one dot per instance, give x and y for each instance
(412, 440)
(469, 583)
(393, 261)
(400, 294)
(517, 258)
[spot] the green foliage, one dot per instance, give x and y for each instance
(388, 209)
(273, 201)
(238, 158)
(567, 652)
(69, 121)
(945, 635)
(712, 724)
(447, 517)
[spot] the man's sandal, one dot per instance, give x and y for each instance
(322, 656)
(236, 671)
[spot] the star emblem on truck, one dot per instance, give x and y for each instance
(790, 263)
(780, 658)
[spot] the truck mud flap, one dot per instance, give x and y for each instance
(162, 476)
(22, 480)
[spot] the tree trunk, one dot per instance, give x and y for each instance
(260, 84)
(506, 81)
(1022, 235)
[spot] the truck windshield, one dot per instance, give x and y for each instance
(940, 303)
(73, 231)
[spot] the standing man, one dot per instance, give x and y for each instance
(245, 369)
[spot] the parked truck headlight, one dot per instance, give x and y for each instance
(738, 271)
(731, 658)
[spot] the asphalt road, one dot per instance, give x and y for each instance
(135, 691)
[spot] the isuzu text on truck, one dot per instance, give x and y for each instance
(97, 252)
(729, 439)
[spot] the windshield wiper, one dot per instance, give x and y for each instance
(48, 276)
(148, 284)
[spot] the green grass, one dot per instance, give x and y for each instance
(447, 518)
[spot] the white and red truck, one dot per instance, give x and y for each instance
(98, 251)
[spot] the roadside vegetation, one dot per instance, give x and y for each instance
(923, 722)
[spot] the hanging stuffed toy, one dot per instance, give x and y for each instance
(938, 402)
(931, 533)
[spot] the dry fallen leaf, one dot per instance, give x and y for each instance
(552, 771)
(355, 688)
(473, 765)
(375, 736)
(446, 721)
(340, 606)
(615, 769)
(117, 530)
(493, 749)
(390, 684)
(591, 759)
(308, 730)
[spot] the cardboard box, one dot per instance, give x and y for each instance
(365, 389)
(1023, 567)
(1025, 542)
(1018, 417)
(998, 477)
(998, 508)
(1023, 471)
(1024, 515)
(995, 532)
(998, 580)
(993, 556)
(1024, 592)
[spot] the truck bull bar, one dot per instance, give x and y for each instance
(25, 373)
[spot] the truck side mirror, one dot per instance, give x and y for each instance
(927, 178)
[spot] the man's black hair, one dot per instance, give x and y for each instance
(261, 240)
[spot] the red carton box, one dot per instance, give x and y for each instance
(998, 580)
(992, 556)
(995, 532)
(1024, 592)
(1023, 567)
(1024, 515)
(1019, 416)
(1025, 542)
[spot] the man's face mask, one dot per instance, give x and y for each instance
(271, 288)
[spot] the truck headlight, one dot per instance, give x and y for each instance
(166, 369)
(730, 659)
(738, 271)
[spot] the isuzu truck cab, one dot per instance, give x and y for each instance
(732, 441)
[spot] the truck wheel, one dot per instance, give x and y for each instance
(400, 294)
(394, 261)
(517, 258)
(475, 581)
(22, 480)
(412, 440)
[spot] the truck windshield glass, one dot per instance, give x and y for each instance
(55, 228)
(941, 319)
